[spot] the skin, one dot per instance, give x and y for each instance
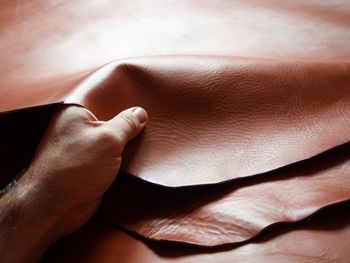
(75, 163)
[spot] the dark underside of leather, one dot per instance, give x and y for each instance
(246, 156)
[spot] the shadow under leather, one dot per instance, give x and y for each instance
(131, 199)
(20, 133)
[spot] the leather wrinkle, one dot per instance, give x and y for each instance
(266, 234)
(107, 244)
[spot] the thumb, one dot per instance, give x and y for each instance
(128, 124)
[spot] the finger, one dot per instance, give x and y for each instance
(128, 124)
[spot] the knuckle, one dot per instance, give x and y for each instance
(108, 140)
(107, 135)
(72, 118)
(72, 113)
(129, 121)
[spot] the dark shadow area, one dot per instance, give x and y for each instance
(20, 134)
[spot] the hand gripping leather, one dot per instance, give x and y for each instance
(216, 119)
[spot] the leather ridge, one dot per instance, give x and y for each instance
(233, 115)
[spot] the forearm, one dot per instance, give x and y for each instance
(27, 226)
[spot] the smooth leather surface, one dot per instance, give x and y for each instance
(234, 89)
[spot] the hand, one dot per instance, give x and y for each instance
(79, 158)
(75, 163)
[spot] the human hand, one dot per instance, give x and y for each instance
(75, 163)
(78, 159)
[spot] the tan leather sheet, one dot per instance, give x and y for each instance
(234, 89)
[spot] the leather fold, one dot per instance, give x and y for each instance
(214, 119)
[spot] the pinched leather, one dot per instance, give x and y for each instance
(217, 119)
(244, 90)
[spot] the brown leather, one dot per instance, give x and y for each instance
(323, 239)
(234, 89)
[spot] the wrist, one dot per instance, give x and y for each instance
(43, 205)
(63, 211)
(26, 225)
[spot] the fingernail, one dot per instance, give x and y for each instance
(140, 114)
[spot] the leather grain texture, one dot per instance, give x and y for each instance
(249, 105)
